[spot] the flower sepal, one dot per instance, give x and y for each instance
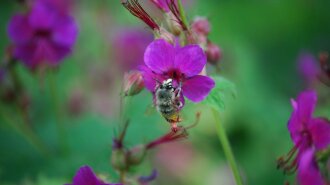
(322, 156)
(118, 159)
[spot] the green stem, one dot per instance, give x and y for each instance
(182, 14)
(122, 176)
(26, 132)
(58, 116)
(226, 147)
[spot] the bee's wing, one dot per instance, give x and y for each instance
(150, 110)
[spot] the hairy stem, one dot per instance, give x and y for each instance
(226, 147)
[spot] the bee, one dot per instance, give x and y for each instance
(167, 101)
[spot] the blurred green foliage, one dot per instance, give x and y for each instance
(261, 40)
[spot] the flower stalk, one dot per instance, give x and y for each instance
(182, 14)
(26, 132)
(226, 147)
(58, 115)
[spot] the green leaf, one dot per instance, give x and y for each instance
(223, 88)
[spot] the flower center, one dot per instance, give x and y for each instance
(175, 75)
(43, 33)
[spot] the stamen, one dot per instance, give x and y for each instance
(136, 9)
(284, 162)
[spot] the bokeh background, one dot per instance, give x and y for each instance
(261, 42)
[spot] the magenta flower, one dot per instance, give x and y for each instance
(309, 136)
(133, 41)
(86, 176)
(181, 64)
(45, 35)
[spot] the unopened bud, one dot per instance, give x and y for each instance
(213, 53)
(201, 26)
(133, 83)
(193, 38)
(136, 155)
(118, 159)
(173, 24)
(164, 34)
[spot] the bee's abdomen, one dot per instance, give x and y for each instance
(165, 108)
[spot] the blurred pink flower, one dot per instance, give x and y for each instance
(308, 67)
(129, 46)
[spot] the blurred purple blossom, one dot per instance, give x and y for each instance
(182, 64)
(86, 176)
(309, 136)
(129, 46)
(45, 35)
(308, 67)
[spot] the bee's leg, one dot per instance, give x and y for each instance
(178, 90)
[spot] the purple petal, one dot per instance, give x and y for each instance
(86, 176)
(197, 87)
(39, 51)
(150, 78)
(149, 178)
(306, 105)
(308, 171)
(65, 31)
(159, 56)
(26, 53)
(190, 60)
(42, 16)
(320, 131)
(19, 29)
(294, 125)
(302, 114)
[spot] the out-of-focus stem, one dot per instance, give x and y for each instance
(182, 14)
(26, 132)
(122, 177)
(226, 147)
(58, 116)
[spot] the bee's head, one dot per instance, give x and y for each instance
(167, 84)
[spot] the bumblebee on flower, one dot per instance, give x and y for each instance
(177, 69)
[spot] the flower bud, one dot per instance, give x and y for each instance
(136, 155)
(164, 34)
(201, 26)
(213, 53)
(173, 24)
(133, 83)
(118, 159)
